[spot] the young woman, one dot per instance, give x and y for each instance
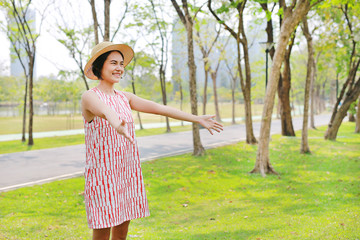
(114, 188)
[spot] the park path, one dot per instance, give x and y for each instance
(40, 166)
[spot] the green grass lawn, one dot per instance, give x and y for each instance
(315, 196)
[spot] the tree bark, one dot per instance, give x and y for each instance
(205, 88)
(309, 79)
(163, 94)
(181, 100)
(351, 95)
(292, 17)
(31, 103)
(107, 20)
(96, 24)
(216, 101)
(331, 132)
(23, 138)
(312, 93)
(284, 86)
(250, 137)
(351, 117)
(186, 19)
(233, 86)
(357, 126)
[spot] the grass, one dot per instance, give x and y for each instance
(316, 196)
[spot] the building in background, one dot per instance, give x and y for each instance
(16, 69)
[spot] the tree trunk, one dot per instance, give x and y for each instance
(186, 19)
(133, 87)
(357, 127)
(351, 117)
(216, 101)
(309, 79)
(163, 94)
(250, 137)
(84, 78)
(23, 139)
(317, 98)
(205, 88)
(198, 148)
(278, 109)
(290, 21)
(322, 98)
(334, 126)
(312, 95)
(96, 24)
(31, 104)
(284, 86)
(107, 20)
(350, 78)
(233, 85)
(181, 101)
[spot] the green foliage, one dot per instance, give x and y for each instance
(11, 89)
(352, 109)
(315, 197)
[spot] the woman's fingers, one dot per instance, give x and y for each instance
(123, 131)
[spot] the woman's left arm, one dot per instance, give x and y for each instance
(146, 106)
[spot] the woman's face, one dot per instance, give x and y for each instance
(113, 68)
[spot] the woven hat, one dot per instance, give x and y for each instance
(104, 47)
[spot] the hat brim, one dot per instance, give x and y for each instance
(127, 52)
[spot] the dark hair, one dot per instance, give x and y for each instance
(99, 63)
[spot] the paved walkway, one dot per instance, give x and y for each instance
(40, 166)
(18, 136)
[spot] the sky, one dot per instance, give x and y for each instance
(52, 56)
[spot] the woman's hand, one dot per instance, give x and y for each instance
(208, 122)
(122, 130)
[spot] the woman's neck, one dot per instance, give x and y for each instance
(105, 87)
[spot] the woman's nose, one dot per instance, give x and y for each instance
(119, 67)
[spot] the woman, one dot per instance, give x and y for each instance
(114, 188)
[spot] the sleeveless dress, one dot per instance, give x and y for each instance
(114, 187)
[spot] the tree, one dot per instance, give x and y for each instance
(106, 33)
(352, 85)
(357, 119)
(233, 78)
(309, 78)
(284, 85)
(206, 41)
(23, 38)
(292, 15)
(241, 38)
(76, 46)
(187, 20)
(131, 69)
(156, 25)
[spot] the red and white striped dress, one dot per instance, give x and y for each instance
(114, 187)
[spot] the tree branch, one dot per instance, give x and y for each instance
(179, 12)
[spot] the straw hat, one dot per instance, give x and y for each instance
(104, 47)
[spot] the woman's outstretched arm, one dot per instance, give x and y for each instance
(146, 106)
